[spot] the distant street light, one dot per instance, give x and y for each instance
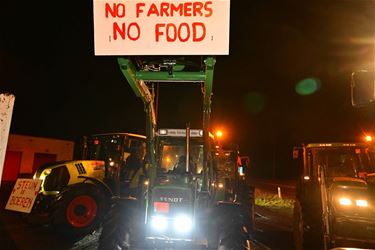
(368, 138)
(219, 134)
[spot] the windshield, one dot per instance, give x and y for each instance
(107, 148)
(113, 148)
(225, 163)
(345, 161)
(173, 158)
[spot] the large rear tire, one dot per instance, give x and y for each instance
(80, 210)
(307, 229)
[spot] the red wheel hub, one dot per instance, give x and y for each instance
(81, 211)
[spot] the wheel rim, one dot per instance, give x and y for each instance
(81, 211)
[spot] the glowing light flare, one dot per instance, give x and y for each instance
(361, 203)
(220, 185)
(159, 223)
(345, 201)
(308, 86)
(368, 138)
(183, 223)
(219, 134)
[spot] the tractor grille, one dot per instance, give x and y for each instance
(80, 168)
(176, 199)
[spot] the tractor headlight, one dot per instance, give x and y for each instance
(345, 201)
(44, 174)
(361, 203)
(183, 224)
(159, 223)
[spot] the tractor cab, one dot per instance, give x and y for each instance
(123, 154)
(174, 196)
(335, 194)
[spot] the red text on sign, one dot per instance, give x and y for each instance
(116, 10)
(166, 9)
(182, 32)
(26, 185)
(23, 202)
(130, 31)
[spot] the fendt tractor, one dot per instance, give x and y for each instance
(179, 207)
(75, 195)
(335, 196)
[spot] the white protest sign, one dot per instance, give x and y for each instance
(161, 27)
(6, 110)
(23, 195)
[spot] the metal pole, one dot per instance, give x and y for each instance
(187, 147)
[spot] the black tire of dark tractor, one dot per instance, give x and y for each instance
(116, 232)
(246, 198)
(306, 237)
(251, 220)
(227, 233)
(59, 217)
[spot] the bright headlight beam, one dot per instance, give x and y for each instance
(345, 201)
(183, 224)
(159, 223)
(361, 203)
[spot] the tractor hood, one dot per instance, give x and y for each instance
(349, 182)
(353, 196)
(172, 195)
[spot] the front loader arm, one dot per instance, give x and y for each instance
(141, 90)
(207, 94)
(137, 78)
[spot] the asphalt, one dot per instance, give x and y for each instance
(6, 241)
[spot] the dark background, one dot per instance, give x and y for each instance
(64, 91)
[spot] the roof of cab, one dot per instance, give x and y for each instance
(121, 133)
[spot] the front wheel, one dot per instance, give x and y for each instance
(80, 210)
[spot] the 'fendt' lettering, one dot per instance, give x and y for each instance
(171, 199)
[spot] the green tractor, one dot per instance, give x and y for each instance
(179, 206)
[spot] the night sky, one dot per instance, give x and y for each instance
(286, 80)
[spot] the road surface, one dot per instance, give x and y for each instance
(272, 231)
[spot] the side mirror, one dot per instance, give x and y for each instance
(362, 88)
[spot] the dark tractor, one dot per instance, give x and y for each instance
(335, 205)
